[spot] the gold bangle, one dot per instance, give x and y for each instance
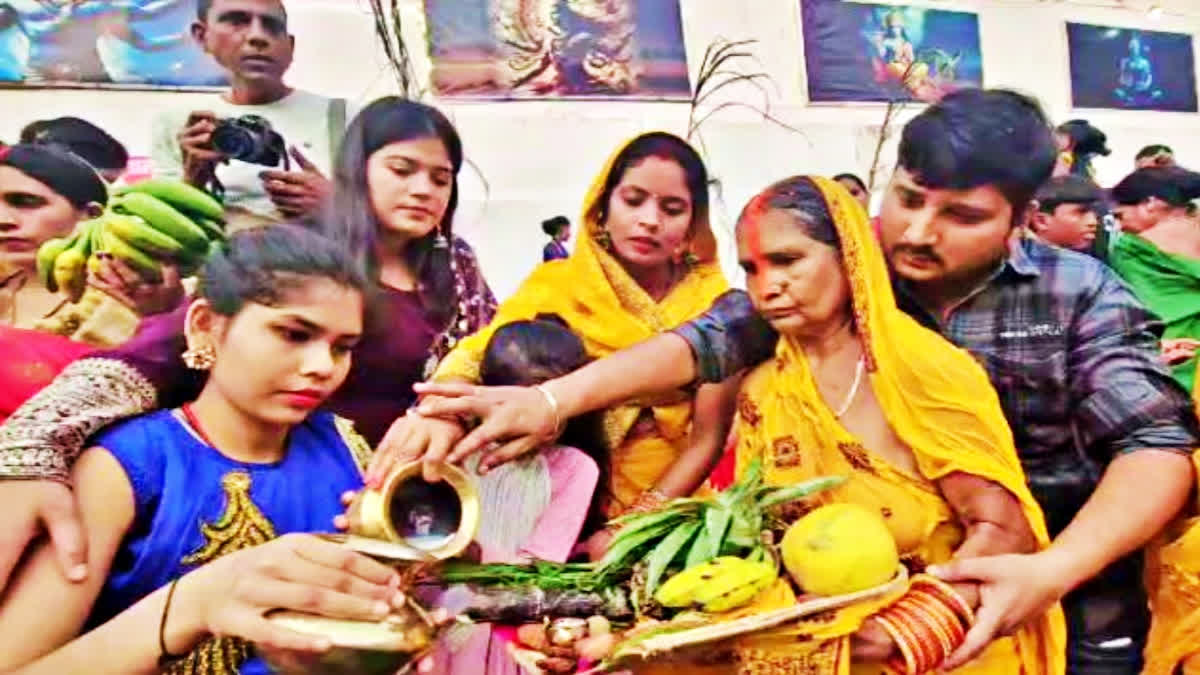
(908, 659)
(947, 594)
(554, 410)
(935, 624)
(924, 641)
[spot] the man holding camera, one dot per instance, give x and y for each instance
(268, 147)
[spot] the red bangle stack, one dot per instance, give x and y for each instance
(927, 624)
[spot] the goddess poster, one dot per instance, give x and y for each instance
(104, 43)
(558, 48)
(1131, 69)
(866, 52)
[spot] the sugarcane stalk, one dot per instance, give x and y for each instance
(510, 605)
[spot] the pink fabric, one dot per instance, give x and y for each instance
(573, 478)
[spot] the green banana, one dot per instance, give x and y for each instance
(70, 268)
(140, 262)
(138, 233)
(178, 194)
(47, 253)
(736, 588)
(164, 218)
(215, 229)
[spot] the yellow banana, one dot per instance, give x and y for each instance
(138, 233)
(737, 588)
(70, 268)
(47, 253)
(140, 262)
(164, 218)
(681, 589)
(179, 195)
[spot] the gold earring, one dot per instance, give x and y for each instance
(200, 358)
(603, 238)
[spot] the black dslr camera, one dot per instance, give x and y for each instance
(249, 138)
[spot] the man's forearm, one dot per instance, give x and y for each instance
(1138, 495)
(662, 363)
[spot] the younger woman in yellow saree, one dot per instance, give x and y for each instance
(1173, 586)
(646, 263)
(859, 389)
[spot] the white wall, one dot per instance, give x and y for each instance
(539, 157)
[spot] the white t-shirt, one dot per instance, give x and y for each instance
(302, 118)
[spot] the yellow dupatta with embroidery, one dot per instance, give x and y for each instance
(939, 402)
(604, 306)
(1173, 587)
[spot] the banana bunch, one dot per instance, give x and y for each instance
(686, 533)
(720, 584)
(145, 225)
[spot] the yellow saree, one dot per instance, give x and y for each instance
(939, 402)
(604, 306)
(1173, 586)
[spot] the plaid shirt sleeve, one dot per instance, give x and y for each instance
(729, 338)
(1125, 398)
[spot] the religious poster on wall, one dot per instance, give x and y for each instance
(557, 49)
(858, 51)
(102, 43)
(1131, 69)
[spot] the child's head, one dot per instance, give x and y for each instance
(279, 309)
(524, 353)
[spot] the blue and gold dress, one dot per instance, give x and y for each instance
(193, 505)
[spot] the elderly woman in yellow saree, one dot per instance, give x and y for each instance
(646, 264)
(859, 389)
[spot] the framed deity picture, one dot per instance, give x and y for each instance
(855, 51)
(1131, 69)
(102, 43)
(510, 49)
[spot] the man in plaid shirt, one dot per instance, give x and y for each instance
(1104, 433)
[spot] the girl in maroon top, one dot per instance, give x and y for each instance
(394, 201)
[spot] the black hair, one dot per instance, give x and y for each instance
(352, 218)
(1068, 190)
(60, 170)
(1174, 185)
(90, 142)
(261, 264)
(1086, 140)
(853, 178)
(801, 197)
(552, 226)
(203, 7)
(525, 353)
(978, 137)
(664, 146)
(1152, 150)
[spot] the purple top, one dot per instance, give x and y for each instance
(388, 361)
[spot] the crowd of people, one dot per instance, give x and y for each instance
(1001, 361)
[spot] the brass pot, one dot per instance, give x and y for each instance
(359, 647)
(405, 509)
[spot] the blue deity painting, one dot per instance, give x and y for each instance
(866, 52)
(1131, 69)
(102, 42)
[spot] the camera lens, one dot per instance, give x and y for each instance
(234, 141)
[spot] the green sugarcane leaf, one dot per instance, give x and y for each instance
(620, 552)
(744, 530)
(633, 522)
(793, 492)
(708, 542)
(665, 552)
